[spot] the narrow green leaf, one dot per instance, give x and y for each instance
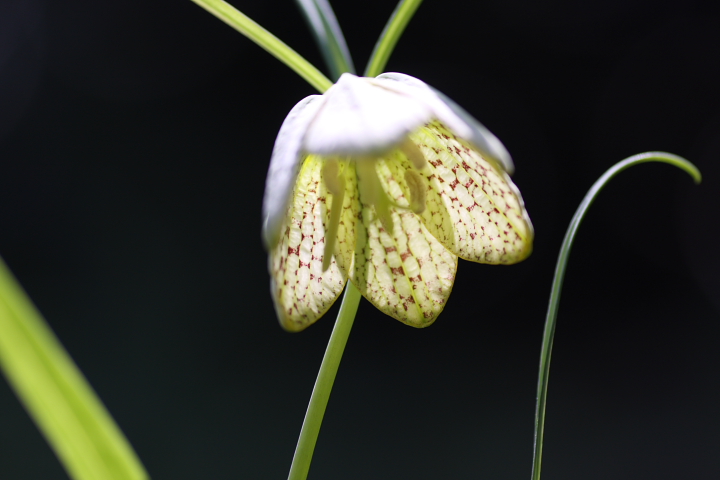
(56, 395)
(390, 35)
(328, 35)
(266, 40)
(550, 321)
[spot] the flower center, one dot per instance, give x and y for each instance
(371, 192)
(334, 179)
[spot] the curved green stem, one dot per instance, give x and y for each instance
(56, 394)
(390, 36)
(550, 321)
(243, 24)
(324, 383)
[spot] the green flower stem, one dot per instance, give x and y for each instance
(550, 321)
(390, 36)
(243, 24)
(56, 395)
(324, 383)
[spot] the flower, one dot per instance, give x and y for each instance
(386, 182)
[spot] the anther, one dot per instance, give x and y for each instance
(413, 153)
(418, 191)
(334, 181)
(372, 193)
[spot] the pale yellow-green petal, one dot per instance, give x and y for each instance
(301, 291)
(405, 273)
(473, 208)
(347, 228)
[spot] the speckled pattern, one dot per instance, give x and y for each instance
(302, 292)
(405, 273)
(471, 210)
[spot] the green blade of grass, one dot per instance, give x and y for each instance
(266, 40)
(56, 395)
(390, 35)
(328, 35)
(550, 321)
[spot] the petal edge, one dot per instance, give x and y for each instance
(285, 163)
(451, 115)
(302, 292)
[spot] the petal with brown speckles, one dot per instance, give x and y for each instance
(301, 291)
(405, 273)
(473, 208)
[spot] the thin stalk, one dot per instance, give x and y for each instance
(323, 384)
(550, 321)
(266, 40)
(390, 35)
(56, 394)
(328, 36)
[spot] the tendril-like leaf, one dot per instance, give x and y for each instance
(550, 321)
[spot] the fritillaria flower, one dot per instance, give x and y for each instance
(386, 182)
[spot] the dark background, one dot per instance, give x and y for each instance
(134, 141)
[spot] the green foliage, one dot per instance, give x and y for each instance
(56, 394)
(551, 319)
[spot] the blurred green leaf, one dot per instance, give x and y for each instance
(390, 35)
(56, 394)
(328, 35)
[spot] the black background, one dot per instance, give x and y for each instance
(134, 141)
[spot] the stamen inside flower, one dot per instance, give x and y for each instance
(413, 153)
(335, 183)
(372, 192)
(418, 191)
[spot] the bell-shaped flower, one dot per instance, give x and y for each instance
(385, 181)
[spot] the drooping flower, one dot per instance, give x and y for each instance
(386, 182)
